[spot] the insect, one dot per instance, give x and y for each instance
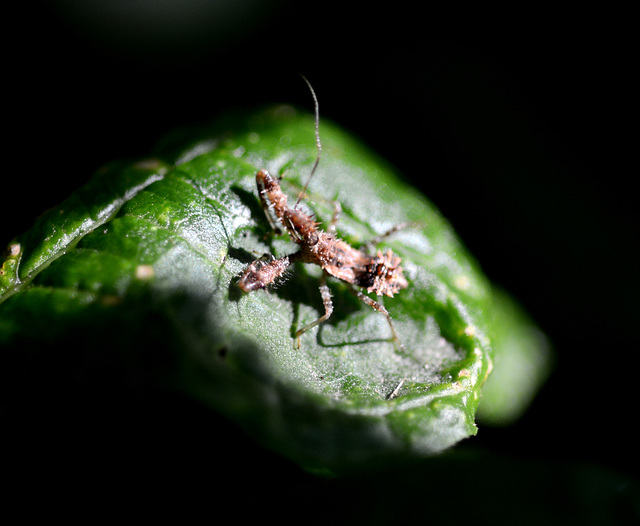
(380, 273)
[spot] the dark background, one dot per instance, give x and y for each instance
(513, 121)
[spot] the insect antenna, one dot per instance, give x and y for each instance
(318, 143)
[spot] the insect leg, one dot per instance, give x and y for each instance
(328, 309)
(337, 211)
(372, 242)
(380, 308)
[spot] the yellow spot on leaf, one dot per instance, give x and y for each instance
(144, 272)
(14, 249)
(462, 282)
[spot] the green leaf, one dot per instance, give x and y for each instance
(141, 264)
(522, 363)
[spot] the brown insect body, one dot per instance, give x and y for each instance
(381, 273)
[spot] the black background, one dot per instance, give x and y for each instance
(513, 121)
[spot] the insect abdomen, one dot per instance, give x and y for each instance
(383, 275)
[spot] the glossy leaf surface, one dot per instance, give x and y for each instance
(141, 265)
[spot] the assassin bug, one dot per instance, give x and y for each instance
(381, 273)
